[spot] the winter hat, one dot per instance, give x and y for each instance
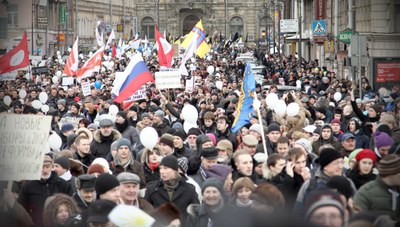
(106, 122)
(160, 114)
(376, 108)
(209, 153)
(347, 136)
(328, 155)
(354, 153)
(103, 162)
(389, 165)
(306, 144)
(165, 214)
(382, 139)
(95, 168)
(212, 182)
(309, 128)
(219, 171)
(145, 115)
(123, 142)
(93, 126)
(177, 125)
(225, 145)
(201, 139)
(104, 183)
(212, 138)
(170, 161)
(99, 210)
(167, 139)
(76, 105)
(194, 131)
(250, 140)
(384, 128)
(127, 177)
(62, 102)
(366, 153)
(273, 127)
(71, 139)
(183, 164)
(181, 134)
(63, 162)
(342, 185)
(336, 121)
(256, 128)
(66, 127)
(322, 198)
(260, 158)
(122, 114)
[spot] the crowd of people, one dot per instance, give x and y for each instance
(335, 163)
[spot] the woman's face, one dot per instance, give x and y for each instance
(365, 166)
(62, 214)
(243, 194)
(154, 157)
(212, 196)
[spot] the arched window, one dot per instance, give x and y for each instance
(236, 25)
(266, 27)
(188, 24)
(148, 28)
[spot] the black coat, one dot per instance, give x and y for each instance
(34, 193)
(182, 197)
(100, 146)
(151, 175)
(289, 186)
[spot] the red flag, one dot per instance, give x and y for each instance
(71, 67)
(164, 50)
(114, 52)
(91, 65)
(16, 58)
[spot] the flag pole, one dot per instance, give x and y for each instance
(257, 105)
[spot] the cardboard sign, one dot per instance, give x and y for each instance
(168, 79)
(23, 140)
(86, 90)
(139, 94)
(67, 81)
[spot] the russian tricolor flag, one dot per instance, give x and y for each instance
(128, 82)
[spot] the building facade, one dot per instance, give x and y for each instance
(53, 25)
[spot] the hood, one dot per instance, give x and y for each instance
(86, 132)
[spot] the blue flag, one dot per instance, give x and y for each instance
(245, 104)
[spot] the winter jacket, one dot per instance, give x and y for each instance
(289, 186)
(227, 135)
(85, 160)
(376, 198)
(151, 175)
(201, 216)
(358, 179)
(161, 128)
(34, 194)
(182, 197)
(320, 142)
(130, 133)
(184, 151)
(100, 146)
(132, 166)
(83, 206)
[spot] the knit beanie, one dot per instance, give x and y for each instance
(382, 139)
(328, 155)
(63, 162)
(273, 127)
(104, 183)
(181, 134)
(183, 164)
(366, 153)
(160, 114)
(322, 198)
(342, 185)
(201, 139)
(212, 182)
(219, 171)
(122, 114)
(336, 121)
(389, 165)
(170, 161)
(306, 144)
(177, 125)
(123, 142)
(384, 128)
(212, 138)
(167, 139)
(354, 153)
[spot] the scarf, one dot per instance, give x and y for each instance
(66, 176)
(242, 204)
(153, 166)
(171, 185)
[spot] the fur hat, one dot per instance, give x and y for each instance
(209, 153)
(95, 168)
(99, 210)
(165, 214)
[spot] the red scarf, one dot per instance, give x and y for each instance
(153, 166)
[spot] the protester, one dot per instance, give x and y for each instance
(85, 194)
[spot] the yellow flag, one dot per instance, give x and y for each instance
(202, 45)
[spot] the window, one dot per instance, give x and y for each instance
(148, 28)
(397, 18)
(236, 25)
(3, 28)
(12, 16)
(266, 27)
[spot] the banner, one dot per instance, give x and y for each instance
(86, 90)
(23, 140)
(168, 79)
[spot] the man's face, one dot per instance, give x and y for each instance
(352, 126)
(129, 191)
(282, 148)
(278, 167)
(167, 173)
(222, 125)
(245, 164)
(349, 144)
(46, 171)
(300, 164)
(123, 152)
(334, 168)
(119, 119)
(251, 149)
(59, 169)
(326, 133)
(106, 130)
(165, 149)
(274, 136)
(383, 151)
(70, 92)
(207, 163)
(335, 127)
(87, 194)
(112, 195)
(83, 146)
(74, 110)
(157, 120)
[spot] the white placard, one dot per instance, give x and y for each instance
(86, 90)
(190, 84)
(139, 94)
(67, 81)
(23, 140)
(168, 79)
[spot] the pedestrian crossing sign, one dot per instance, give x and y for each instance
(319, 28)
